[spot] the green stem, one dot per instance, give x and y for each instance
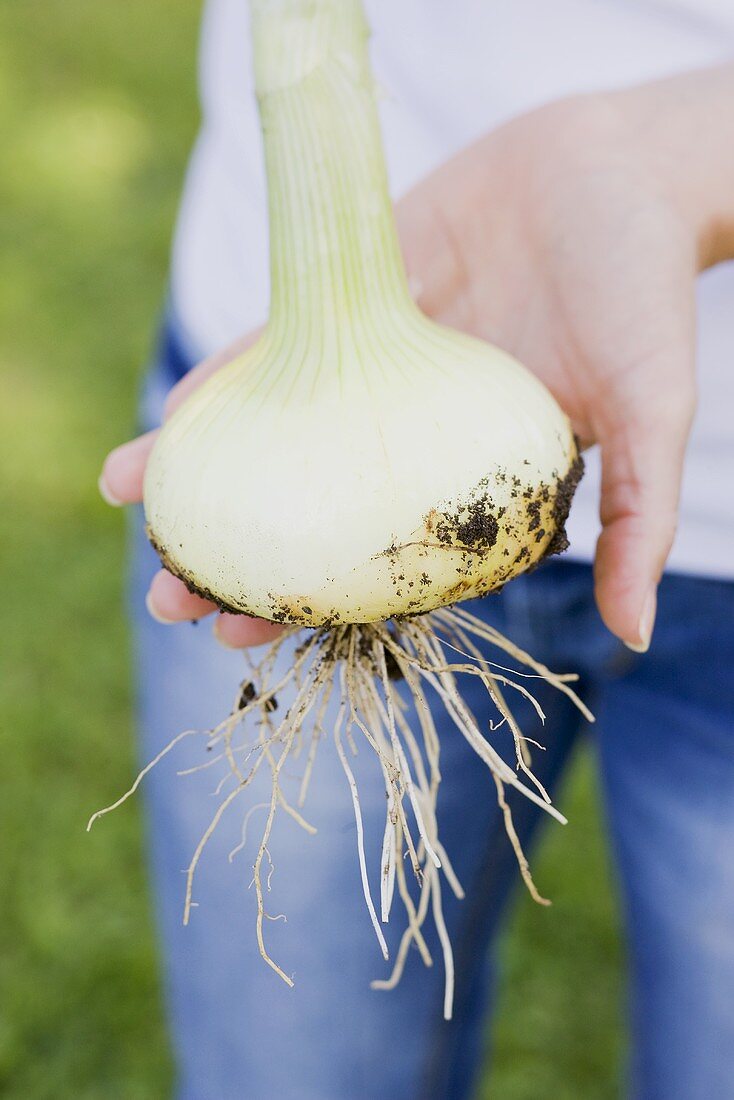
(335, 259)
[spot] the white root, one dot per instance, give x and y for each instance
(400, 760)
(389, 856)
(358, 821)
(421, 651)
(245, 822)
(140, 777)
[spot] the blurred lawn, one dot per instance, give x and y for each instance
(97, 110)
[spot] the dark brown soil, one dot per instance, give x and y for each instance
(562, 498)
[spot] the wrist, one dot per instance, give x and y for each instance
(684, 127)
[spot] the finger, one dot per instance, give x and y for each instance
(240, 631)
(169, 600)
(642, 467)
(199, 374)
(121, 480)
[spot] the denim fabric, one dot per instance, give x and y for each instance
(665, 737)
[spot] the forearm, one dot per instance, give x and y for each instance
(686, 125)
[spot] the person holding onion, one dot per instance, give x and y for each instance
(565, 178)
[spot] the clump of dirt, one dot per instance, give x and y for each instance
(479, 530)
(533, 510)
(248, 694)
(562, 498)
(475, 525)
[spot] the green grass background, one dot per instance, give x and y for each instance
(97, 111)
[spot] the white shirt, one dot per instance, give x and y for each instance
(452, 71)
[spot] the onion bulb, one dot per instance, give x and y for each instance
(360, 461)
(358, 467)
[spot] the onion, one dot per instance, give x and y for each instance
(358, 467)
(360, 461)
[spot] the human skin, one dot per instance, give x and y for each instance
(572, 237)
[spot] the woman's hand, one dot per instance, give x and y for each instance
(121, 482)
(571, 237)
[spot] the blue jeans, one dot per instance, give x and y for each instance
(665, 739)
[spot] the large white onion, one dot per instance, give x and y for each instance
(360, 461)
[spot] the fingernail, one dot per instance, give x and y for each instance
(646, 624)
(106, 493)
(217, 631)
(155, 613)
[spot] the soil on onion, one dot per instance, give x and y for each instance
(472, 530)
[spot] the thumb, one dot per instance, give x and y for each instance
(643, 448)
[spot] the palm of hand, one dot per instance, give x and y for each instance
(564, 250)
